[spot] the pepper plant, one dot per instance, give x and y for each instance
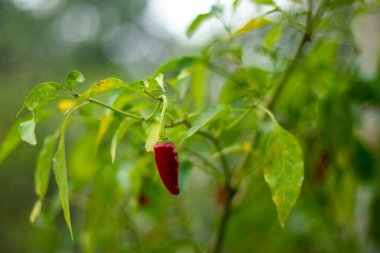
(257, 103)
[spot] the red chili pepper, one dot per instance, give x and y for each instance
(167, 164)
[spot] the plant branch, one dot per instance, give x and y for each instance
(223, 160)
(154, 111)
(271, 104)
(153, 96)
(203, 159)
(126, 114)
(284, 79)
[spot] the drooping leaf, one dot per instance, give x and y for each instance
(119, 134)
(10, 142)
(272, 37)
(60, 172)
(252, 24)
(41, 95)
(176, 66)
(42, 173)
(152, 136)
(283, 170)
(13, 139)
(27, 131)
(43, 166)
(236, 4)
(72, 78)
(197, 22)
(103, 86)
(160, 81)
(36, 210)
(104, 124)
(205, 117)
(198, 86)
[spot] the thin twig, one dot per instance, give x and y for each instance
(152, 96)
(127, 114)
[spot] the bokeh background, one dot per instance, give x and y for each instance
(42, 40)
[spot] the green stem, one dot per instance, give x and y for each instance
(271, 116)
(281, 84)
(154, 111)
(153, 96)
(127, 114)
(283, 80)
(227, 210)
(205, 160)
(162, 118)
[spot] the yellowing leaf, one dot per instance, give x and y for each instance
(35, 211)
(102, 86)
(64, 105)
(283, 170)
(152, 136)
(252, 24)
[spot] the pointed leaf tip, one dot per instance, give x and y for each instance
(283, 170)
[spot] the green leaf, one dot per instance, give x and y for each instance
(153, 133)
(252, 24)
(42, 173)
(10, 142)
(13, 139)
(104, 124)
(72, 78)
(272, 37)
(103, 86)
(154, 83)
(283, 170)
(197, 22)
(263, 1)
(35, 211)
(41, 95)
(177, 65)
(205, 117)
(60, 172)
(236, 4)
(43, 165)
(198, 85)
(160, 81)
(27, 131)
(119, 134)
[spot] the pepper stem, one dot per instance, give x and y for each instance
(163, 135)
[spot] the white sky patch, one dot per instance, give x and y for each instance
(37, 7)
(174, 17)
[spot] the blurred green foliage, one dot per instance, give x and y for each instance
(313, 76)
